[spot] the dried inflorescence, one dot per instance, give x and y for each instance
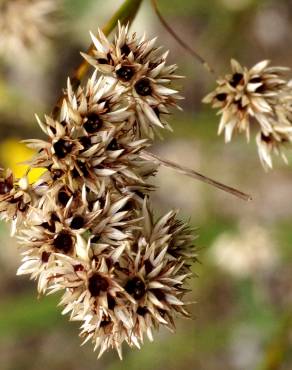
(259, 97)
(25, 24)
(85, 227)
(140, 71)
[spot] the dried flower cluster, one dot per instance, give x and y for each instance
(259, 97)
(25, 24)
(85, 227)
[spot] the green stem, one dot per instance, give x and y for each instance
(125, 14)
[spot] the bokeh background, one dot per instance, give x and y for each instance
(243, 290)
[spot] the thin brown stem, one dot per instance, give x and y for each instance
(195, 175)
(178, 39)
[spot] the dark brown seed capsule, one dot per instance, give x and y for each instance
(102, 61)
(97, 284)
(221, 97)
(125, 73)
(77, 222)
(85, 141)
(143, 87)
(113, 145)
(45, 257)
(125, 49)
(136, 287)
(49, 226)
(63, 197)
(111, 302)
(142, 311)
(5, 187)
(62, 148)
(236, 79)
(63, 242)
(56, 174)
(93, 123)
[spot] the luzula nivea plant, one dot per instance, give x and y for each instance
(86, 227)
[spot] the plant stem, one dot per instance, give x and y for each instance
(125, 14)
(195, 175)
(179, 39)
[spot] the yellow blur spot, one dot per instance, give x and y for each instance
(12, 153)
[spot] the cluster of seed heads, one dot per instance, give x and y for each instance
(86, 228)
(259, 98)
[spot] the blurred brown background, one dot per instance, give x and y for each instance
(242, 318)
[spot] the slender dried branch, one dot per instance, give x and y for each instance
(178, 39)
(195, 175)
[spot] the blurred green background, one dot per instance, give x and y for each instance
(242, 318)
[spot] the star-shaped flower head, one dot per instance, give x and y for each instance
(254, 98)
(141, 71)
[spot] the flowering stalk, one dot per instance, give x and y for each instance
(86, 227)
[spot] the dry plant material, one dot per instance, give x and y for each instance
(259, 97)
(86, 227)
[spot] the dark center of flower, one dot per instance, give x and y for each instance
(63, 242)
(221, 96)
(266, 139)
(83, 168)
(56, 174)
(148, 266)
(135, 287)
(93, 123)
(111, 302)
(62, 148)
(45, 256)
(63, 197)
(49, 226)
(125, 73)
(113, 145)
(143, 87)
(236, 79)
(125, 49)
(260, 89)
(159, 294)
(78, 267)
(5, 187)
(102, 61)
(97, 284)
(85, 141)
(77, 222)
(95, 239)
(142, 311)
(105, 323)
(256, 80)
